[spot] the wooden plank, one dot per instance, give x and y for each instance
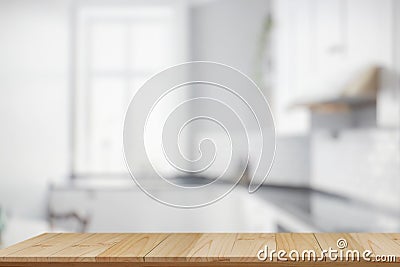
(88, 249)
(174, 248)
(395, 237)
(189, 249)
(25, 244)
(43, 250)
(378, 243)
(131, 249)
(247, 246)
(77, 264)
(329, 241)
(212, 247)
(299, 242)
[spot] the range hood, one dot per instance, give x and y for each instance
(359, 92)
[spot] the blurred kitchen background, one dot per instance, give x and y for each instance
(330, 70)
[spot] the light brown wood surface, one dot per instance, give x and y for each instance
(192, 249)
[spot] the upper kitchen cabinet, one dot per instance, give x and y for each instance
(324, 47)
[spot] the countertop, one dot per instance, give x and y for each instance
(197, 249)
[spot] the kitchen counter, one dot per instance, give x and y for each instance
(270, 209)
(329, 212)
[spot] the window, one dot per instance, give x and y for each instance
(118, 48)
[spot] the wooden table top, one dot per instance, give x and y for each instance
(193, 249)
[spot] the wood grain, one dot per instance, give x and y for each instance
(175, 248)
(132, 249)
(329, 241)
(394, 237)
(212, 247)
(26, 244)
(88, 249)
(299, 242)
(379, 244)
(247, 245)
(189, 249)
(46, 248)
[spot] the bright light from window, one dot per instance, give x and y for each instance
(118, 49)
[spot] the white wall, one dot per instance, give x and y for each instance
(34, 101)
(228, 32)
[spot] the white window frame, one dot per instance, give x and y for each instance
(80, 151)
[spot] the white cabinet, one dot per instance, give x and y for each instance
(321, 45)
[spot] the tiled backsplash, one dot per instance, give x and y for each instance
(361, 164)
